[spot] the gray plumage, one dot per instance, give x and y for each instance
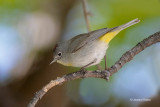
(85, 49)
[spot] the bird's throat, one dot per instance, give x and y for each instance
(63, 63)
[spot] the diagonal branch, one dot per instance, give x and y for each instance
(126, 57)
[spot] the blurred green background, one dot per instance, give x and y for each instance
(29, 29)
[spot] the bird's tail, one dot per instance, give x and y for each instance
(126, 25)
(114, 31)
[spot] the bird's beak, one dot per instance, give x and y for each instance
(54, 60)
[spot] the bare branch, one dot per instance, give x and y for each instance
(65, 78)
(126, 57)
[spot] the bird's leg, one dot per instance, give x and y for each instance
(107, 73)
(105, 59)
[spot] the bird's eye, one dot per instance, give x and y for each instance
(60, 54)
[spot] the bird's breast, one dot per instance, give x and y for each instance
(87, 54)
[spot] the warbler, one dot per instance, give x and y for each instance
(87, 49)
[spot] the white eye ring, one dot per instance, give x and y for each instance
(60, 54)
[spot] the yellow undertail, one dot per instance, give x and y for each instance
(109, 36)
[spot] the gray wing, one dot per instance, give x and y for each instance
(91, 36)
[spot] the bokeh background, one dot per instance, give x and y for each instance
(29, 29)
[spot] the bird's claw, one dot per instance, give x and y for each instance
(107, 74)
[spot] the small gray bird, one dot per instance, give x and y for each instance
(87, 49)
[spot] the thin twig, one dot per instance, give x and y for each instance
(85, 11)
(126, 57)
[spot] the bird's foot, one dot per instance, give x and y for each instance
(83, 71)
(107, 74)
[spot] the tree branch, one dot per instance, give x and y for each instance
(126, 57)
(86, 14)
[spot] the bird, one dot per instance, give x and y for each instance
(87, 49)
